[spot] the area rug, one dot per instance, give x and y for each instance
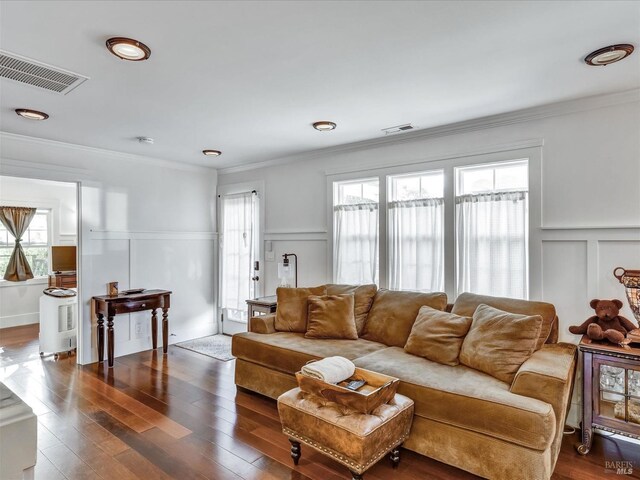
(216, 346)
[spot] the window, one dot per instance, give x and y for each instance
(35, 243)
(492, 214)
(416, 225)
(355, 231)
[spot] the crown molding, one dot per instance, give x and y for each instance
(138, 159)
(482, 123)
(484, 150)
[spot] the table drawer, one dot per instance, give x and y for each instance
(137, 306)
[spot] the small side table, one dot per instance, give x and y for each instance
(611, 390)
(111, 305)
(261, 306)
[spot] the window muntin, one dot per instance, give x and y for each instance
(35, 243)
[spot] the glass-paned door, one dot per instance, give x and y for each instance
(239, 258)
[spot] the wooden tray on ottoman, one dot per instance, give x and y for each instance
(378, 390)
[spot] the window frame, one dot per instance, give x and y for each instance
(458, 185)
(50, 212)
(531, 151)
(334, 186)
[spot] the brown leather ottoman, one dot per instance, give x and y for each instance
(354, 439)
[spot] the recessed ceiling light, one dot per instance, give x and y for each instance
(324, 126)
(608, 55)
(31, 114)
(212, 153)
(128, 49)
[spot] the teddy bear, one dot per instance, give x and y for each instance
(606, 323)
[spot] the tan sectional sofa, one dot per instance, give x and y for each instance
(463, 417)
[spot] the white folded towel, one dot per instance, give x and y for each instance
(330, 369)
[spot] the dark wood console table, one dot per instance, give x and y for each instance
(110, 306)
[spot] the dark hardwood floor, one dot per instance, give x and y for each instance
(180, 416)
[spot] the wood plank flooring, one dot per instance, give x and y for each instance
(180, 416)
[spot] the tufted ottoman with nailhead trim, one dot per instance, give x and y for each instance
(354, 439)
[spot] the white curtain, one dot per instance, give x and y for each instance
(238, 245)
(492, 241)
(416, 245)
(356, 243)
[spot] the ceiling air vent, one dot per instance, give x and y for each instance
(31, 72)
(398, 129)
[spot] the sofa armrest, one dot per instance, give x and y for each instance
(548, 376)
(263, 324)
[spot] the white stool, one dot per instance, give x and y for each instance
(18, 436)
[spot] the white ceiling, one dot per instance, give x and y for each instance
(249, 78)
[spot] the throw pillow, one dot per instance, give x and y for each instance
(438, 336)
(291, 313)
(331, 316)
(498, 342)
(466, 304)
(364, 295)
(393, 313)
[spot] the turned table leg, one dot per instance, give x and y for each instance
(100, 337)
(296, 453)
(394, 456)
(110, 340)
(154, 328)
(165, 330)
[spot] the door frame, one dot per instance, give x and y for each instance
(54, 176)
(231, 189)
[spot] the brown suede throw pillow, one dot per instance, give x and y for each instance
(331, 316)
(364, 295)
(393, 313)
(498, 342)
(291, 313)
(466, 304)
(438, 336)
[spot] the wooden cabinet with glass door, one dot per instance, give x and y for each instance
(611, 390)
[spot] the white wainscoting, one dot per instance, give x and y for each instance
(176, 261)
(311, 248)
(577, 266)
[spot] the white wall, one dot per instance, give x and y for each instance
(590, 196)
(19, 302)
(144, 223)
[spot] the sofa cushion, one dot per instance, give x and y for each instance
(466, 305)
(291, 314)
(498, 342)
(287, 351)
(438, 336)
(364, 295)
(331, 316)
(466, 398)
(393, 313)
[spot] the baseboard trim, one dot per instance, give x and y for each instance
(19, 320)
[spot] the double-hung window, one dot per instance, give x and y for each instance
(416, 231)
(355, 231)
(492, 217)
(35, 243)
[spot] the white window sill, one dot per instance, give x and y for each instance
(33, 281)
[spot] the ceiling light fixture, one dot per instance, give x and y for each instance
(31, 114)
(212, 153)
(324, 126)
(608, 55)
(128, 49)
